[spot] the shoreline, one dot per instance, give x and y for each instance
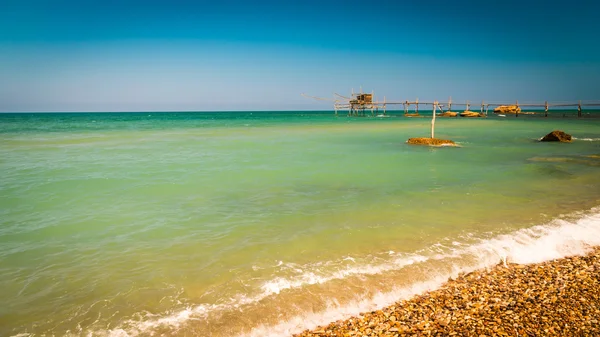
(559, 297)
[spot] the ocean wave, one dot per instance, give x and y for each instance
(587, 139)
(567, 236)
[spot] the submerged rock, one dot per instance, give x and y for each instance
(557, 136)
(430, 141)
(591, 160)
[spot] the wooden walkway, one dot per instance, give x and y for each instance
(360, 104)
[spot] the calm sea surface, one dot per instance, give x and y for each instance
(266, 223)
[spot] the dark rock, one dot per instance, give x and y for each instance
(557, 136)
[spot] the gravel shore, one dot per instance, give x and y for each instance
(555, 298)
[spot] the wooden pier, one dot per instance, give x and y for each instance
(362, 104)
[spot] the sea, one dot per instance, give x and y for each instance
(266, 223)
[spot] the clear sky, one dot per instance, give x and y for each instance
(148, 55)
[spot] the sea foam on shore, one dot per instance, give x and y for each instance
(555, 298)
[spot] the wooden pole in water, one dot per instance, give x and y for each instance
(384, 106)
(546, 109)
(517, 110)
(579, 109)
(351, 108)
(372, 107)
(433, 120)
(417, 101)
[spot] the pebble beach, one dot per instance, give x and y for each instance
(555, 298)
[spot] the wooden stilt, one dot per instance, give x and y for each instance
(384, 106)
(372, 106)
(579, 109)
(433, 120)
(546, 109)
(417, 106)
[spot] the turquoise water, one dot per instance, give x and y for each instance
(265, 223)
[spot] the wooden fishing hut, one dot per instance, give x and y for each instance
(359, 103)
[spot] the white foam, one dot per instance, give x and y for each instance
(559, 238)
(587, 139)
(278, 284)
(335, 312)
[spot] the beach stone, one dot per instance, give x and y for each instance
(557, 136)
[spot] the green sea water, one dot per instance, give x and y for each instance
(266, 223)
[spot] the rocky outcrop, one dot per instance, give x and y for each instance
(507, 109)
(468, 113)
(430, 142)
(557, 136)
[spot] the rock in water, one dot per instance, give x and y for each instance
(557, 136)
(448, 114)
(507, 109)
(468, 113)
(430, 141)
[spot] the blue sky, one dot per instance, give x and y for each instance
(237, 55)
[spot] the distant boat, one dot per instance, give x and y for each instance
(500, 115)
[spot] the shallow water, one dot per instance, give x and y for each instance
(255, 223)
